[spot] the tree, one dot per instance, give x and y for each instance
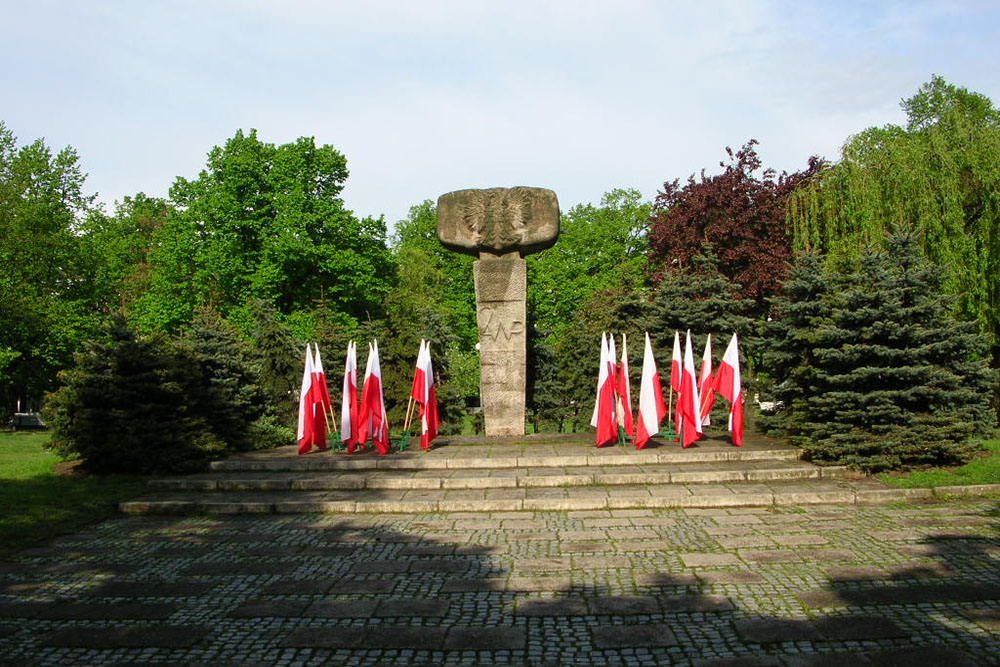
(740, 214)
(265, 222)
(939, 175)
(888, 378)
(599, 247)
(46, 298)
(130, 405)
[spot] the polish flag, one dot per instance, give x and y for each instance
(320, 377)
(604, 410)
(688, 403)
(706, 385)
(417, 391)
(675, 364)
(349, 403)
(306, 434)
(426, 396)
(729, 386)
(625, 392)
(372, 411)
(652, 410)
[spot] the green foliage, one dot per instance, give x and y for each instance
(940, 175)
(132, 405)
(241, 412)
(278, 359)
(599, 247)
(46, 294)
(264, 222)
(703, 300)
(878, 374)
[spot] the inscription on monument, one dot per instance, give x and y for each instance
(501, 226)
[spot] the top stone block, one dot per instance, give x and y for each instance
(498, 222)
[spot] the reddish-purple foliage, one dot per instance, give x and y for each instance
(740, 215)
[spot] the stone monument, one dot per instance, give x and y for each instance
(500, 226)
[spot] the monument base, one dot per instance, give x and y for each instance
(501, 313)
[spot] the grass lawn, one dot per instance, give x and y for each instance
(39, 504)
(984, 470)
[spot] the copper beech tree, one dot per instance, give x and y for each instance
(740, 213)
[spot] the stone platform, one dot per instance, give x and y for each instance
(811, 586)
(532, 474)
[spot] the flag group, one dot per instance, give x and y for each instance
(425, 395)
(312, 411)
(371, 413)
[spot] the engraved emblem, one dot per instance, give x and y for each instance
(497, 217)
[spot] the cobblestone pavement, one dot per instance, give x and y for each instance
(823, 585)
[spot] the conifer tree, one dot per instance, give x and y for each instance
(892, 378)
(128, 407)
(278, 356)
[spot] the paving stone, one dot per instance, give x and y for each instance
(534, 584)
(131, 589)
(474, 585)
(543, 564)
(439, 565)
(709, 560)
(380, 567)
(355, 586)
(326, 637)
(846, 659)
(341, 609)
(403, 637)
(407, 607)
(859, 628)
(988, 618)
(611, 605)
(856, 573)
(151, 636)
(660, 579)
(775, 630)
(901, 595)
(653, 635)
(924, 656)
(585, 547)
(799, 539)
(695, 603)
(94, 612)
(270, 608)
(723, 577)
(298, 587)
(828, 555)
(485, 639)
(557, 607)
(600, 562)
(239, 568)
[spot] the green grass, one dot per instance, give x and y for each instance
(38, 504)
(984, 470)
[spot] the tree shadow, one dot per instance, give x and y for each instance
(531, 588)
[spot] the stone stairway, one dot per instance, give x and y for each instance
(532, 473)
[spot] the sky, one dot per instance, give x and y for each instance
(426, 97)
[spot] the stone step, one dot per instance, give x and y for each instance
(556, 455)
(737, 494)
(485, 478)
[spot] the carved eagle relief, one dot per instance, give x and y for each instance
(497, 217)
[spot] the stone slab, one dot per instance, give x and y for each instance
(412, 607)
(774, 630)
(485, 639)
(557, 607)
(134, 636)
(652, 635)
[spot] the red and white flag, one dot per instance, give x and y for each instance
(706, 385)
(625, 392)
(675, 364)
(729, 386)
(425, 395)
(372, 411)
(689, 403)
(324, 391)
(604, 410)
(306, 433)
(349, 402)
(652, 409)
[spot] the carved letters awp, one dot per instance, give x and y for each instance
(500, 225)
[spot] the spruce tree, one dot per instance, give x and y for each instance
(278, 357)
(800, 314)
(128, 406)
(894, 379)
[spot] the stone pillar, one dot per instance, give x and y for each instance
(500, 226)
(500, 308)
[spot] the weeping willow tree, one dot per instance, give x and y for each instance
(939, 175)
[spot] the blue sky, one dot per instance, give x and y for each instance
(428, 97)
